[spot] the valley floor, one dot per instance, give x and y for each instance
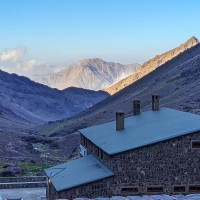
(30, 154)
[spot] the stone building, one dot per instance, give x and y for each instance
(152, 152)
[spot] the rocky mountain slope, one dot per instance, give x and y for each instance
(24, 103)
(151, 65)
(177, 82)
(92, 74)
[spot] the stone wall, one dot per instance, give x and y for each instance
(171, 166)
(168, 164)
(22, 179)
(23, 182)
(91, 148)
(52, 194)
(22, 185)
(91, 190)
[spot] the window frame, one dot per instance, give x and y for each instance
(130, 190)
(85, 141)
(196, 190)
(100, 153)
(179, 190)
(195, 146)
(155, 189)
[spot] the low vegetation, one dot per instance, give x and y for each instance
(30, 168)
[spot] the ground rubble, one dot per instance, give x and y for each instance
(149, 197)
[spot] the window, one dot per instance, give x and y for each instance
(196, 144)
(179, 189)
(194, 188)
(129, 190)
(85, 141)
(100, 153)
(155, 189)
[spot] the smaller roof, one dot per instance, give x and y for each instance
(147, 128)
(77, 172)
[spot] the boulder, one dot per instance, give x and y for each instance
(6, 165)
(12, 171)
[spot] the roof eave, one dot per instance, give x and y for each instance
(59, 190)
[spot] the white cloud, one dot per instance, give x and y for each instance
(13, 55)
(12, 61)
(30, 65)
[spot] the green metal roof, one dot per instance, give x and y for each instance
(147, 128)
(77, 172)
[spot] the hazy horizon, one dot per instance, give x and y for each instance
(41, 37)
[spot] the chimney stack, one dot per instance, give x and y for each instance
(119, 120)
(155, 102)
(136, 107)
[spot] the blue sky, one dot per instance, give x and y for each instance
(54, 33)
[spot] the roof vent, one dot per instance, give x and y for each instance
(155, 102)
(119, 120)
(136, 107)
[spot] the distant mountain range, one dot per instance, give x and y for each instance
(151, 65)
(24, 102)
(177, 81)
(92, 74)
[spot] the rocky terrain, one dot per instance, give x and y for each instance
(92, 74)
(177, 82)
(150, 197)
(151, 65)
(22, 153)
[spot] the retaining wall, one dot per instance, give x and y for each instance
(23, 182)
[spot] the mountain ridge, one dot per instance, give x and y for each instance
(151, 65)
(27, 103)
(89, 73)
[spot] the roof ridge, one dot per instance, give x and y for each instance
(61, 169)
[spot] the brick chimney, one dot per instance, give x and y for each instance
(136, 107)
(155, 102)
(119, 120)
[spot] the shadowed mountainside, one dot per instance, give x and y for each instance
(24, 103)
